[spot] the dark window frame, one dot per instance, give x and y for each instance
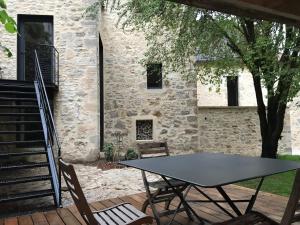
(233, 90)
(154, 76)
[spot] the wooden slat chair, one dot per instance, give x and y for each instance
(122, 214)
(290, 215)
(162, 192)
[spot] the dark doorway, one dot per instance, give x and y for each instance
(35, 32)
(101, 88)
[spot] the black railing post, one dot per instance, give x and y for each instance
(50, 133)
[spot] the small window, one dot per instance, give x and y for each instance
(154, 76)
(144, 129)
(232, 91)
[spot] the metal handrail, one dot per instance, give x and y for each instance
(49, 129)
(55, 68)
(39, 74)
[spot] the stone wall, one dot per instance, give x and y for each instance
(173, 108)
(295, 125)
(235, 130)
(76, 103)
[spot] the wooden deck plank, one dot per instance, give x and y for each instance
(269, 204)
(25, 220)
(67, 217)
(53, 218)
(11, 221)
(75, 212)
(39, 219)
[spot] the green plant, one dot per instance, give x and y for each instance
(9, 25)
(131, 154)
(108, 149)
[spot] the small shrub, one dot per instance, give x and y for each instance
(131, 154)
(109, 152)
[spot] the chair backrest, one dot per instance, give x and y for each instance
(77, 193)
(153, 149)
(293, 205)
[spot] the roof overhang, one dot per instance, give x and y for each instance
(283, 11)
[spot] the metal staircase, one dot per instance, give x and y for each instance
(29, 147)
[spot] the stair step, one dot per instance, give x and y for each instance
(17, 93)
(22, 180)
(16, 154)
(23, 166)
(18, 99)
(19, 114)
(18, 122)
(18, 86)
(21, 132)
(26, 195)
(19, 106)
(21, 142)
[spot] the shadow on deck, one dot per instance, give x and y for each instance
(271, 205)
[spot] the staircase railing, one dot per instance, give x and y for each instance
(49, 63)
(49, 129)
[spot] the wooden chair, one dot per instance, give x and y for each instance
(122, 214)
(163, 193)
(289, 216)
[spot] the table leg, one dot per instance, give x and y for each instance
(188, 208)
(229, 201)
(254, 197)
(213, 201)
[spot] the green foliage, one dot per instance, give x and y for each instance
(109, 151)
(131, 154)
(9, 25)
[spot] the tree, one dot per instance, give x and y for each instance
(9, 25)
(270, 51)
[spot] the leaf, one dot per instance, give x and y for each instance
(2, 4)
(10, 27)
(3, 16)
(6, 51)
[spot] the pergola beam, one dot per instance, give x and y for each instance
(284, 11)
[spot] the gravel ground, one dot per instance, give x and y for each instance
(98, 184)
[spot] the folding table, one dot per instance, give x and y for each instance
(213, 170)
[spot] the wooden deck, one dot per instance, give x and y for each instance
(271, 205)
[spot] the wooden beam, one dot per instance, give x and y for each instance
(284, 11)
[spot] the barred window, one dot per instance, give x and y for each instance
(144, 129)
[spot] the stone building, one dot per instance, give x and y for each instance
(105, 95)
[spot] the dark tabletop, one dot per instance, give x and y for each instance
(212, 169)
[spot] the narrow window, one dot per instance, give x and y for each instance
(144, 129)
(154, 76)
(232, 91)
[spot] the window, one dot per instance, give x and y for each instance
(144, 129)
(154, 76)
(232, 91)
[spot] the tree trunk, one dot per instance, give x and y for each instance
(269, 147)
(271, 126)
